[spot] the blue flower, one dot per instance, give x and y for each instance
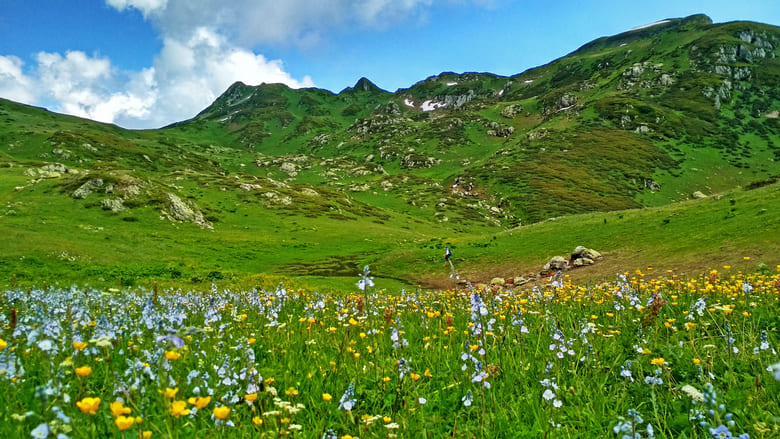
(720, 432)
(41, 431)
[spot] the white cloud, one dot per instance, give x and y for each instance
(146, 7)
(14, 84)
(271, 21)
(185, 78)
(190, 75)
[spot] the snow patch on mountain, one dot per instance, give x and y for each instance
(430, 105)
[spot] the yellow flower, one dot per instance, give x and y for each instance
(387, 419)
(3, 344)
(83, 371)
(88, 405)
(79, 345)
(146, 434)
(221, 412)
(696, 361)
(251, 340)
(415, 376)
(268, 381)
(118, 409)
(250, 396)
(658, 361)
(385, 379)
(292, 391)
(199, 402)
(428, 373)
(257, 420)
(326, 397)
(171, 393)
(124, 422)
(172, 355)
(179, 408)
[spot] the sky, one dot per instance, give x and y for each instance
(148, 63)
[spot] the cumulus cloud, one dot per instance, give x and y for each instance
(186, 76)
(146, 7)
(88, 87)
(208, 64)
(271, 21)
(14, 84)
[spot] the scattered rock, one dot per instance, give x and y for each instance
(249, 186)
(510, 111)
(582, 256)
(183, 212)
(698, 195)
(652, 185)
(289, 168)
(520, 280)
(310, 192)
(87, 188)
(497, 281)
(112, 204)
(62, 153)
(556, 263)
(581, 262)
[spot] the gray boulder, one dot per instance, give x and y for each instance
(582, 256)
(87, 188)
(180, 211)
(112, 204)
(581, 262)
(556, 263)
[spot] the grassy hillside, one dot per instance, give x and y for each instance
(604, 147)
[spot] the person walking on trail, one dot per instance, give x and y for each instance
(448, 257)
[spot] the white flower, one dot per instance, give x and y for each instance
(548, 394)
(422, 400)
(775, 369)
(557, 403)
(692, 392)
(45, 346)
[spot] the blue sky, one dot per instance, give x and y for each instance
(148, 63)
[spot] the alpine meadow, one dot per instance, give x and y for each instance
(590, 248)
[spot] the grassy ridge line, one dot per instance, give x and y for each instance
(690, 236)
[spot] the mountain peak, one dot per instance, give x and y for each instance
(647, 31)
(364, 85)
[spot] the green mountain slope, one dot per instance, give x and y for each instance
(312, 183)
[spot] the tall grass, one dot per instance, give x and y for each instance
(642, 354)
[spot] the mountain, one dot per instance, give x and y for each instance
(307, 182)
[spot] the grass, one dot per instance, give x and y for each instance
(683, 354)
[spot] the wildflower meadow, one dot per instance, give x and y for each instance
(641, 355)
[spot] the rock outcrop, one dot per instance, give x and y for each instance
(180, 211)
